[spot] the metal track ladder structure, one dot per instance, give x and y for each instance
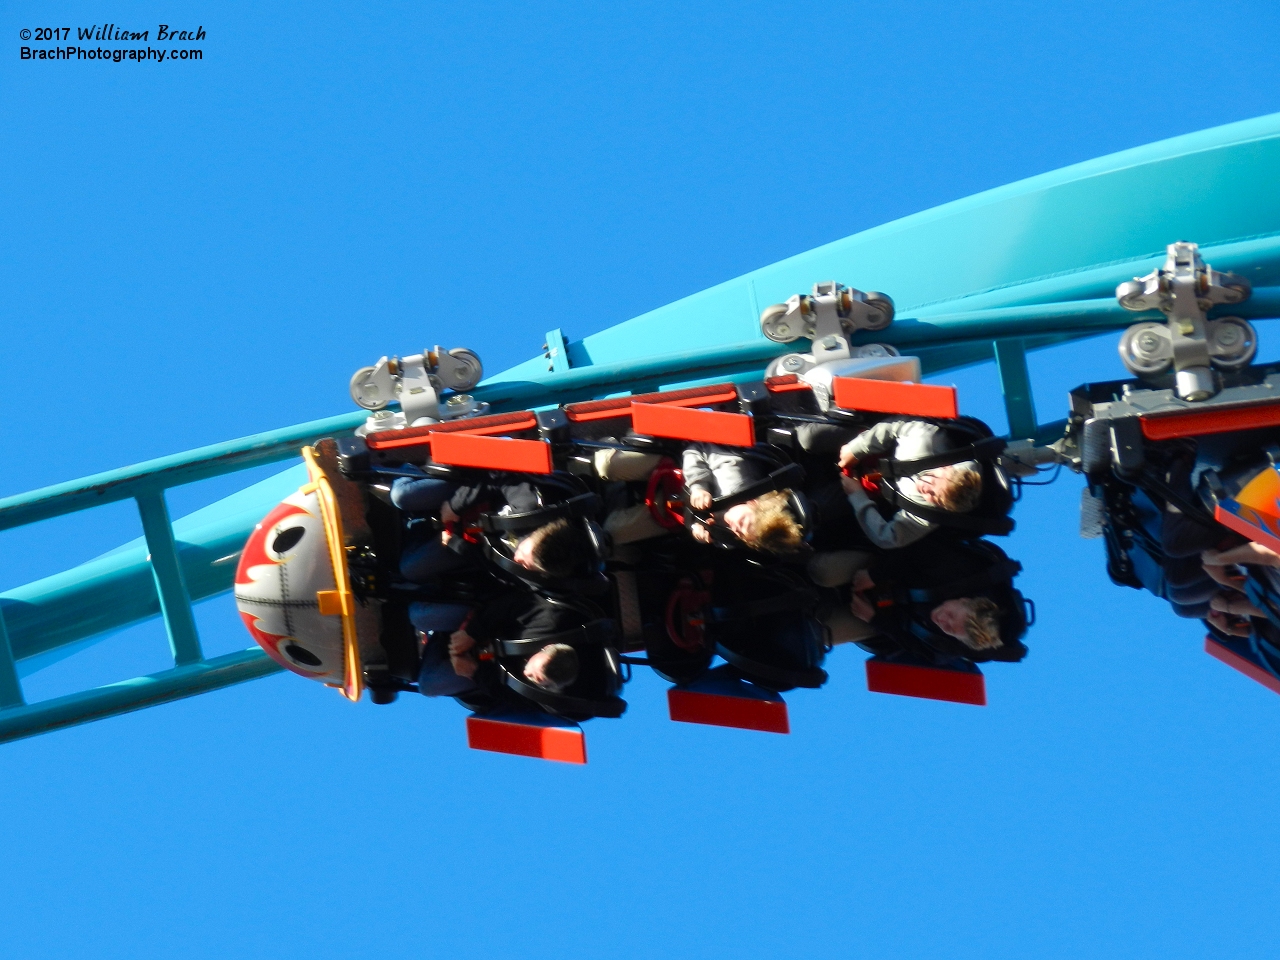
(989, 277)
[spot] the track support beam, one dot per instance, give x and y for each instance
(1015, 382)
(556, 350)
(175, 605)
(10, 683)
(135, 694)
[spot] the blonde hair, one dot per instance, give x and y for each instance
(961, 490)
(776, 530)
(983, 625)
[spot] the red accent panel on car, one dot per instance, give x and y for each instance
(1245, 528)
(682, 423)
(892, 396)
(1197, 423)
(566, 744)
(786, 383)
(476, 426)
(717, 710)
(930, 683)
(492, 453)
(621, 406)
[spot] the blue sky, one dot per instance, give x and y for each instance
(192, 252)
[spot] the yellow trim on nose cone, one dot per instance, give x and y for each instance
(353, 670)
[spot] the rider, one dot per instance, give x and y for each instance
(763, 523)
(454, 661)
(956, 487)
(952, 599)
(557, 549)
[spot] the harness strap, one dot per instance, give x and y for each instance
(791, 600)
(966, 522)
(790, 475)
(562, 703)
(811, 677)
(583, 505)
(1000, 573)
(593, 634)
(987, 449)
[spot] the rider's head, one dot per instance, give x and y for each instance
(973, 620)
(956, 488)
(553, 668)
(559, 549)
(766, 523)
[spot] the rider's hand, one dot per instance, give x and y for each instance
(460, 643)
(464, 666)
(861, 608)
(699, 498)
(847, 459)
(1227, 576)
(862, 581)
(1235, 604)
(1249, 552)
(700, 533)
(1227, 626)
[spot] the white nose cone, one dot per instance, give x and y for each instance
(285, 563)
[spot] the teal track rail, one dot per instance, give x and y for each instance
(990, 277)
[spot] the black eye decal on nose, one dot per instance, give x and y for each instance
(301, 654)
(287, 539)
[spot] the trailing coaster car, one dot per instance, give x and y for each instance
(1166, 475)
(1157, 448)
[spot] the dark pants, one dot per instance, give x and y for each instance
(437, 620)
(424, 557)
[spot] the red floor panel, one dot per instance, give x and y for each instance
(717, 710)
(1237, 662)
(566, 744)
(929, 683)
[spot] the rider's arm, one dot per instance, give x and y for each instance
(696, 469)
(898, 531)
(876, 440)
